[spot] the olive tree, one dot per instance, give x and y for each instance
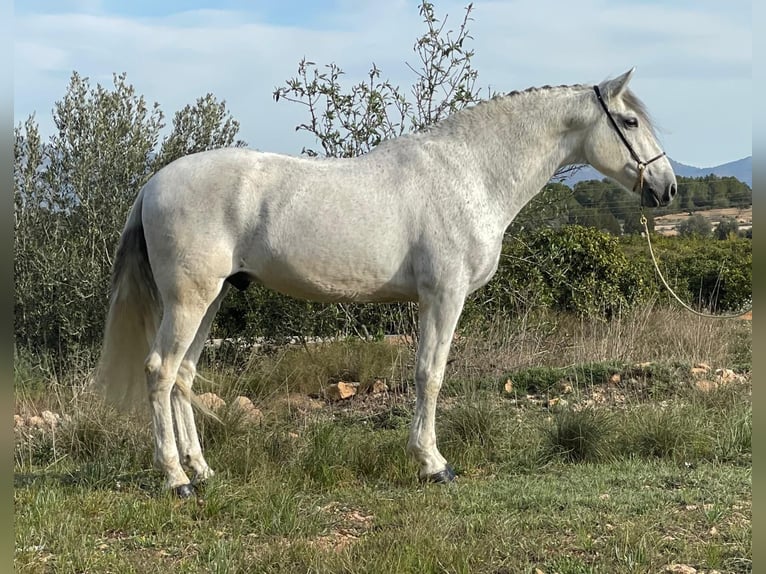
(72, 194)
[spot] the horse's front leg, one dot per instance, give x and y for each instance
(439, 314)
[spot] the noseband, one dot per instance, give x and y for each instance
(640, 164)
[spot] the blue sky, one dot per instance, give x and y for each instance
(693, 58)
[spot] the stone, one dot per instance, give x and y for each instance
(211, 401)
(680, 569)
(508, 386)
(250, 413)
(399, 340)
(379, 386)
(727, 376)
(556, 403)
(340, 391)
(700, 369)
(705, 385)
(51, 419)
(36, 422)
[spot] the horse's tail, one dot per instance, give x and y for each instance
(132, 321)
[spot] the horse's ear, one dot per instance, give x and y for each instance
(616, 86)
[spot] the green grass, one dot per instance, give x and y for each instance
(623, 516)
(624, 478)
(571, 491)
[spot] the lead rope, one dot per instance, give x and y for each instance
(639, 185)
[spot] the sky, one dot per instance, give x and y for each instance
(693, 58)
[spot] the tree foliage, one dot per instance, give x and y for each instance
(347, 123)
(72, 195)
(726, 228)
(696, 224)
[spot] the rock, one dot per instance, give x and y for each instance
(51, 419)
(36, 422)
(379, 386)
(726, 376)
(399, 340)
(508, 386)
(700, 369)
(680, 569)
(705, 385)
(340, 391)
(211, 401)
(250, 413)
(556, 402)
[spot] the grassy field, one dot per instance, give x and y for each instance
(581, 448)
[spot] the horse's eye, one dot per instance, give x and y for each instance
(631, 122)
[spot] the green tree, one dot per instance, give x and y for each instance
(696, 224)
(575, 269)
(632, 224)
(590, 193)
(740, 195)
(72, 195)
(550, 207)
(205, 125)
(726, 228)
(719, 193)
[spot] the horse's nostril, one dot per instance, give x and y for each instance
(672, 190)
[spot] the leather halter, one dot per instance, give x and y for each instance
(640, 164)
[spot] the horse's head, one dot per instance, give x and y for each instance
(622, 144)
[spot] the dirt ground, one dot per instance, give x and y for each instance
(667, 224)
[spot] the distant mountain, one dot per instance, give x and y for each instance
(742, 169)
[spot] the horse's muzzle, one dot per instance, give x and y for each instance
(652, 198)
(670, 193)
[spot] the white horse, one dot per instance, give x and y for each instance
(419, 218)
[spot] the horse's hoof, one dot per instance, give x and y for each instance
(184, 491)
(443, 477)
(200, 479)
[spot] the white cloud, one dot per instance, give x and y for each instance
(688, 59)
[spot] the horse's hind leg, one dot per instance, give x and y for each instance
(187, 439)
(180, 322)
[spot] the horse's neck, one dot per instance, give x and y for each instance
(521, 142)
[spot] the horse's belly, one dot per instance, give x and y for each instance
(336, 283)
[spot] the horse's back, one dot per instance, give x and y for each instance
(320, 229)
